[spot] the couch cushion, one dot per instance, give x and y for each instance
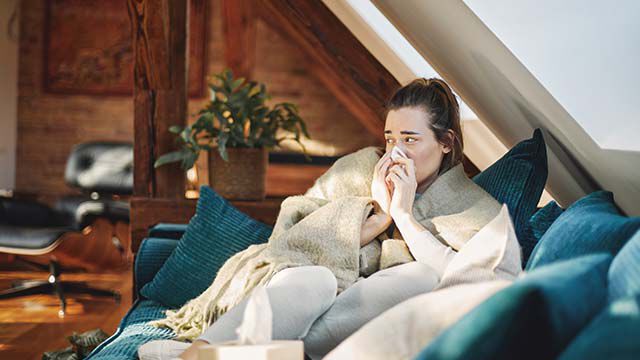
(152, 254)
(591, 224)
(133, 331)
(624, 274)
(534, 318)
(216, 232)
(404, 330)
(518, 178)
(612, 335)
(537, 226)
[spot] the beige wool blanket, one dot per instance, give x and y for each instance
(322, 227)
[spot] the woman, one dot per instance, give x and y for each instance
(421, 190)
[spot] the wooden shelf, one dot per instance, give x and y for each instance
(147, 212)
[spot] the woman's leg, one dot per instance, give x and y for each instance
(162, 349)
(364, 300)
(298, 296)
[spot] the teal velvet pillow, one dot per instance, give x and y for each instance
(517, 179)
(534, 318)
(536, 226)
(612, 335)
(216, 232)
(624, 274)
(591, 224)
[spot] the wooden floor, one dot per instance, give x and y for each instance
(30, 325)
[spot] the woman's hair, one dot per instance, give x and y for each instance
(435, 97)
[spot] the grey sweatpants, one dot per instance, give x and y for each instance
(305, 306)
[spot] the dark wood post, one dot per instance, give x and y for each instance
(160, 98)
(159, 31)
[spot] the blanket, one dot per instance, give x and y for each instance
(322, 227)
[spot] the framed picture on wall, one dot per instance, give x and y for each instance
(88, 48)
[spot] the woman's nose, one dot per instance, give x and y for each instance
(403, 149)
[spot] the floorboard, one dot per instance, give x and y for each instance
(30, 325)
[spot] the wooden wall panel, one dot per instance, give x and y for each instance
(50, 124)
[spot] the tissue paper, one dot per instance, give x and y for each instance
(256, 326)
(254, 336)
(397, 153)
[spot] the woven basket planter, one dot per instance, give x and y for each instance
(243, 177)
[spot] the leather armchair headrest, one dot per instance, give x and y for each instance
(102, 167)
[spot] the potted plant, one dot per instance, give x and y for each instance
(238, 129)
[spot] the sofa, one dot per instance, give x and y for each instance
(581, 284)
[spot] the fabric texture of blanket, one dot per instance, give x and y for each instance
(323, 226)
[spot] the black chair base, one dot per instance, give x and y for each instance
(53, 285)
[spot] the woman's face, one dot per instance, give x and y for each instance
(407, 128)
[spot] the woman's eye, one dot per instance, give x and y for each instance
(389, 141)
(410, 140)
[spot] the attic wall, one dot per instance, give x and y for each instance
(50, 124)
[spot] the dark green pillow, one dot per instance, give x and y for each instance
(216, 232)
(536, 227)
(612, 335)
(517, 179)
(591, 224)
(534, 318)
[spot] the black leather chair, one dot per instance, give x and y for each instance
(102, 171)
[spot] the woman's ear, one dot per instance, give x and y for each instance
(447, 145)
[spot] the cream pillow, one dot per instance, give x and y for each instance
(493, 253)
(404, 330)
(487, 263)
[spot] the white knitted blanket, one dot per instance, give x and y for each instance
(322, 227)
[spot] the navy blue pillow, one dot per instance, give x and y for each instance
(612, 335)
(591, 224)
(517, 179)
(624, 274)
(534, 318)
(215, 233)
(536, 226)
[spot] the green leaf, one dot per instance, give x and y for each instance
(189, 160)
(171, 157)
(236, 83)
(175, 129)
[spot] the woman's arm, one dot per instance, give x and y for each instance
(424, 247)
(374, 226)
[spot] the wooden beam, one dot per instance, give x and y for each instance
(344, 65)
(239, 27)
(159, 30)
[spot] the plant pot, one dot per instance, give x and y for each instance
(243, 177)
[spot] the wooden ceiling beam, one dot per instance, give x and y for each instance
(341, 62)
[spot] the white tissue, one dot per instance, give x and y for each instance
(256, 326)
(397, 153)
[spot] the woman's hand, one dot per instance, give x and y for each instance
(375, 224)
(403, 177)
(379, 189)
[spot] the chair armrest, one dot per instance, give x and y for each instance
(81, 211)
(168, 231)
(150, 257)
